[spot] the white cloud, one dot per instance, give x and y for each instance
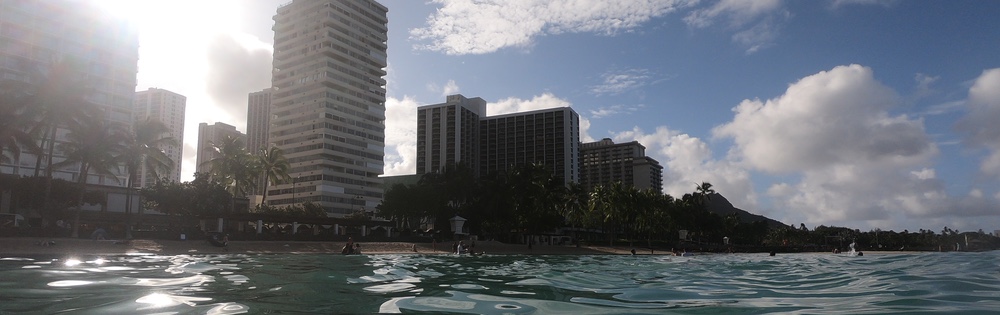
(884, 3)
(924, 174)
(766, 17)
(943, 108)
(924, 84)
(237, 65)
(617, 82)
(687, 161)
(979, 125)
(450, 88)
(757, 37)
(739, 12)
(400, 136)
(485, 26)
(833, 117)
(854, 160)
(516, 105)
(614, 110)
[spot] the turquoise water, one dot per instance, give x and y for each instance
(946, 283)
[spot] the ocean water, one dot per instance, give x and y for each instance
(946, 283)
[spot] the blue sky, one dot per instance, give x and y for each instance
(866, 114)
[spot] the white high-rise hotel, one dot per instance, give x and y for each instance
(168, 108)
(328, 103)
(34, 35)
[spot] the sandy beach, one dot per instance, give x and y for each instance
(13, 246)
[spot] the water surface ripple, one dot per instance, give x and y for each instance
(945, 283)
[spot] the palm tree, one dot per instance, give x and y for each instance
(15, 121)
(601, 207)
(704, 193)
(274, 168)
(93, 144)
(141, 148)
(56, 97)
(233, 166)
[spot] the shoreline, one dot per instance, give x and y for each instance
(36, 246)
(70, 246)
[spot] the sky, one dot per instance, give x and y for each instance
(867, 114)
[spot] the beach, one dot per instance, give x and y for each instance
(12, 246)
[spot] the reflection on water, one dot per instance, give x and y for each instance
(512, 284)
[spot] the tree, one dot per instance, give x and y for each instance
(15, 121)
(274, 168)
(141, 147)
(574, 206)
(55, 98)
(202, 196)
(233, 166)
(536, 198)
(93, 144)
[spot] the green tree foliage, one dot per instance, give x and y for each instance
(25, 192)
(141, 147)
(93, 145)
(274, 167)
(233, 166)
(202, 196)
(15, 121)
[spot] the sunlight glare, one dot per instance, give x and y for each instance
(157, 300)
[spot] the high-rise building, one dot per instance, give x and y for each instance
(35, 35)
(258, 120)
(168, 108)
(458, 131)
(328, 102)
(605, 162)
(550, 137)
(258, 126)
(209, 135)
(448, 134)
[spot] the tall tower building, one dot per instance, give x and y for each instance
(209, 134)
(605, 162)
(328, 103)
(168, 108)
(258, 120)
(258, 126)
(448, 133)
(457, 131)
(550, 137)
(35, 35)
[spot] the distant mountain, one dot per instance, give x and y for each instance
(720, 205)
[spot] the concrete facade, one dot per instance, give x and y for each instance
(168, 108)
(459, 131)
(328, 103)
(35, 35)
(448, 133)
(258, 127)
(209, 134)
(604, 162)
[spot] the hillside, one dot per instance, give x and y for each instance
(720, 205)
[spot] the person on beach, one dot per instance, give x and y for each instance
(349, 248)
(99, 234)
